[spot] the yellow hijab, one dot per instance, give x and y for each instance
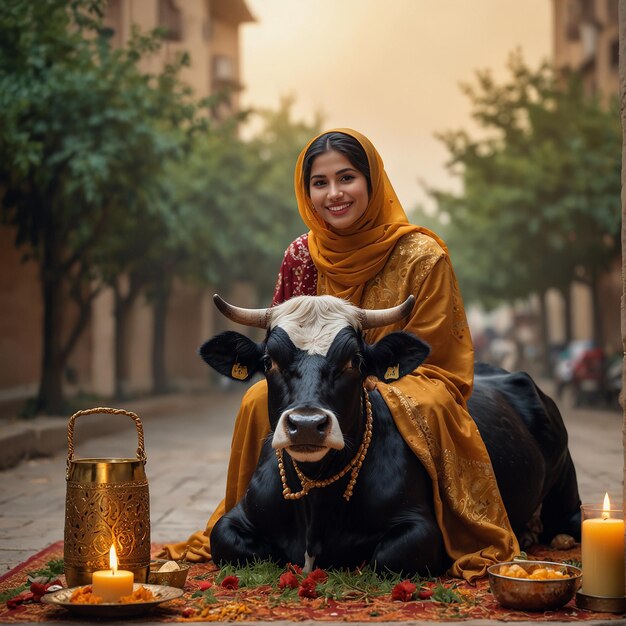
(347, 259)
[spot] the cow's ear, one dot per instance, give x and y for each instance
(395, 355)
(232, 354)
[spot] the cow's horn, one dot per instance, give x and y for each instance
(371, 318)
(259, 318)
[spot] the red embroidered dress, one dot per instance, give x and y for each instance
(297, 275)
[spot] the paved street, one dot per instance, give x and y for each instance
(187, 452)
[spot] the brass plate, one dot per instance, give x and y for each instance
(110, 609)
(600, 604)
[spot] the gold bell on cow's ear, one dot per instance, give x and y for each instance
(239, 371)
(393, 372)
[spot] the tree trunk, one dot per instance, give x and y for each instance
(61, 280)
(598, 329)
(568, 314)
(159, 372)
(622, 93)
(546, 364)
(50, 398)
(121, 323)
(123, 307)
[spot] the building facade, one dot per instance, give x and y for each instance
(586, 41)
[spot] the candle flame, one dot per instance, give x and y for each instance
(113, 559)
(606, 507)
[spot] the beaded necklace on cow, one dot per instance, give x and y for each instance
(355, 464)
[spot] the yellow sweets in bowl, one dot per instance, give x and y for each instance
(539, 573)
(533, 585)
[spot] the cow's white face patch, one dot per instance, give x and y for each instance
(313, 323)
(309, 454)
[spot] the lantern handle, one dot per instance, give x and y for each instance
(141, 452)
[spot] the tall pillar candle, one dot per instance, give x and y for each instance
(602, 550)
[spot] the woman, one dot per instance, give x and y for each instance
(361, 247)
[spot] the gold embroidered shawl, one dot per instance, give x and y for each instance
(346, 260)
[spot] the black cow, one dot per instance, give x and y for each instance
(347, 493)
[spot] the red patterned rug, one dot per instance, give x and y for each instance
(247, 595)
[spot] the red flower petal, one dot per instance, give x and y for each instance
(403, 591)
(307, 588)
(230, 582)
(288, 579)
(318, 575)
(38, 589)
(20, 598)
(204, 585)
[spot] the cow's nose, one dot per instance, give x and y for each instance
(311, 429)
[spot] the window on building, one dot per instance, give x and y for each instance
(225, 84)
(171, 19)
(572, 20)
(579, 12)
(223, 69)
(113, 19)
(588, 40)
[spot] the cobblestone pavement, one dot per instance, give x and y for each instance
(187, 452)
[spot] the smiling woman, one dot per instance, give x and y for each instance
(339, 192)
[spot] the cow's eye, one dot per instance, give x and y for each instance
(354, 363)
(267, 363)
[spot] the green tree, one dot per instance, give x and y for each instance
(539, 206)
(236, 199)
(225, 213)
(277, 147)
(84, 135)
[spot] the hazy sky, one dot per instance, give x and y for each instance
(388, 68)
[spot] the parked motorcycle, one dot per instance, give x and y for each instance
(593, 378)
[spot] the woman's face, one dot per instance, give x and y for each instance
(337, 189)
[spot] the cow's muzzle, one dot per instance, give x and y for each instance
(308, 434)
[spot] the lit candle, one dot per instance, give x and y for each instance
(602, 552)
(112, 584)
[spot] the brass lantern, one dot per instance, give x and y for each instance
(107, 503)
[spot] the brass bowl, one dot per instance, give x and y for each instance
(176, 578)
(526, 594)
